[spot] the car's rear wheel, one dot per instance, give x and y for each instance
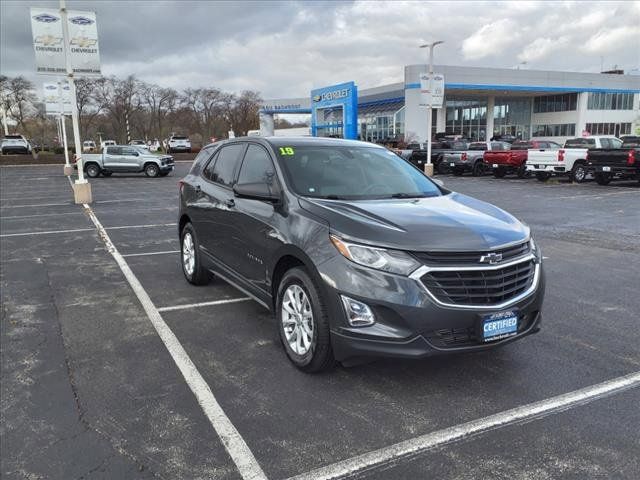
(303, 322)
(478, 169)
(578, 173)
(603, 178)
(93, 170)
(543, 176)
(151, 170)
(499, 172)
(190, 256)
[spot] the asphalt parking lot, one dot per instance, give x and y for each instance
(90, 389)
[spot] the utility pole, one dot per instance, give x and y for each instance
(429, 166)
(81, 188)
(67, 166)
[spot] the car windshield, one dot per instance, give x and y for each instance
(140, 150)
(352, 173)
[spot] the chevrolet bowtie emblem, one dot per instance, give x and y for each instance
(491, 258)
(48, 40)
(83, 42)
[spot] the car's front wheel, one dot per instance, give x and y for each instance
(578, 172)
(192, 266)
(478, 169)
(303, 322)
(151, 170)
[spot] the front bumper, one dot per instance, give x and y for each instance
(177, 148)
(409, 322)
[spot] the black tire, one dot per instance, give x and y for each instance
(319, 357)
(199, 275)
(151, 170)
(522, 172)
(443, 168)
(106, 174)
(499, 172)
(478, 169)
(92, 170)
(578, 172)
(603, 178)
(543, 176)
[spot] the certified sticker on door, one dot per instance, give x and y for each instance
(497, 326)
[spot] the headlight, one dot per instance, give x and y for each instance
(392, 261)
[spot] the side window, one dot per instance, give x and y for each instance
(114, 151)
(615, 143)
(128, 151)
(604, 143)
(257, 166)
(208, 169)
(226, 164)
(200, 160)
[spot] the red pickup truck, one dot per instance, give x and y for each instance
(514, 159)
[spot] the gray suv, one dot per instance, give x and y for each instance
(356, 251)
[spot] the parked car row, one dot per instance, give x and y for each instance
(605, 157)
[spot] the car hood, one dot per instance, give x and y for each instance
(452, 222)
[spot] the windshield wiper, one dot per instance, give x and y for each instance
(408, 195)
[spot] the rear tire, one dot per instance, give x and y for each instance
(478, 169)
(191, 258)
(543, 176)
(499, 173)
(305, 326)
(151, 170)
(92, 170)
(603, 178)
(578, 172)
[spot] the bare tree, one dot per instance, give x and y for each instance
(87, 101)
(120, 99)
(242, 112)
(18, 99)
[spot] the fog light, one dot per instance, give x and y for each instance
(358, 314)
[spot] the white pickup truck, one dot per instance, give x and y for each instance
(571, 160)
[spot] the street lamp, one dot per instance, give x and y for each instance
(430, 46)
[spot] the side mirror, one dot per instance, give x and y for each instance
(256, 191)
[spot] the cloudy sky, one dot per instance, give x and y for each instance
(283, 49)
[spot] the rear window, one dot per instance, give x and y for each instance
(500, 146)
(631, 141)
(522, 146)
(580, 143)
(459, 145)
(178, 137)
(478, 146)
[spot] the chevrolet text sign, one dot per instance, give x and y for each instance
(46, 27)
(334, 95)
(433, 95)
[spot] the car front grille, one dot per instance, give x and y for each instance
(486, 287)
(472, 258)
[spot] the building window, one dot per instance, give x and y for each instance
(555, 103)
(512, 116)
(466, 117)
(610, 101)
(608, 128)
(555, 130)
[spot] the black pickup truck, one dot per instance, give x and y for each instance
(622, 163)
(418, 155)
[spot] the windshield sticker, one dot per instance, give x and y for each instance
(286, 151)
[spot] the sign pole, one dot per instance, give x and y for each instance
(67, 166)
(81, 188)
(4, 120)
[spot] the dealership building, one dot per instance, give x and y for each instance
(478, 104)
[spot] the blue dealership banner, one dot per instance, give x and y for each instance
(329, 102)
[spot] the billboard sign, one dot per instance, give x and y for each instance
(48, 43)
(433, 95)
(328, 102)
(52, 98)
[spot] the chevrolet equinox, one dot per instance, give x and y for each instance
(356, 251)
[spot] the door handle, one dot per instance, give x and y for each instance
(230, 202)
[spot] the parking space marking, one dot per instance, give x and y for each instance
(74, 230)
(37, 205)
(166, 252)
(41, 215)
(203, 304)
(233, 442)
(414, 446)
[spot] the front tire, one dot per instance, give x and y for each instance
(151, 170)
(478, 169)
(603, 178)
(191, 258)
(303, 322)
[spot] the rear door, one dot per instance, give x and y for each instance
(216, 203)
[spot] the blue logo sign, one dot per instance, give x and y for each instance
(81, 21)
(342, 98)
(45, 18)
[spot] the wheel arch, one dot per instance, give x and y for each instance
(287, 258)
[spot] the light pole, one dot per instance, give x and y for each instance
(430, 46)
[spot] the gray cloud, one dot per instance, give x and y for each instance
(287, 48)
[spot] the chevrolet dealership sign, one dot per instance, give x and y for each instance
(433, 95)
(46, 28)
(52, 98)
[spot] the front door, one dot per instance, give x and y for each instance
(112, 159)
(130, 160)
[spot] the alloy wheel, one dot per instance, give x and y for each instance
(188, 254)
(297, 319)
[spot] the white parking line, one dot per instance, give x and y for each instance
(203, 304)
(50, 232)
(392, 453)
(37, 205)
(150, 253)
(41, 215)
(233, 442)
